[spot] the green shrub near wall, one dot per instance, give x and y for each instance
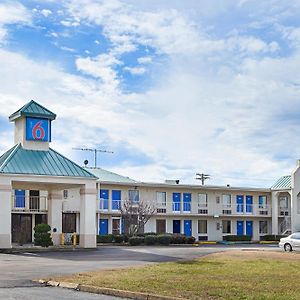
(118, 238)
(42, 235)
(136, 240)
(190, 240)
(178, 239)
(164, 239)
(272, 237)
(151, 240)
(237, 238)
(107, 238)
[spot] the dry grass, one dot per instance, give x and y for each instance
(227, 275)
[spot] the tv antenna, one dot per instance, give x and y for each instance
(202, 177)
(96, 151)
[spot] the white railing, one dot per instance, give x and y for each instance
(29, 203)
(194, 208)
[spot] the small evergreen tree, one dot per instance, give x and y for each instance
(42, 236)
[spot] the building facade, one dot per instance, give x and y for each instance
(39, 185)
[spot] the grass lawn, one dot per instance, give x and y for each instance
(229, 275)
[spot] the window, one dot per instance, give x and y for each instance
(295, 236)
(65, 194)
(134, 195)
(226, 226)
(202, 200)
(263, 227)
(161, 198)
(202, 226)
(262, 201)
(283, 202)
(226, 200)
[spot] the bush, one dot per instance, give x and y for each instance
(42, 236)
(178, 239)
(164, 239)
(190, 240)
(118, 238)
(136, 240)
(151, 240)
(107, 238)
(150, 233)
(126, 238)
(237, 238)
(272, 237)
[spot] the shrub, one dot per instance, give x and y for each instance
(149, 233)
(151, 240)
(237, 238)
(42, 236)
(136, 240)
(118, 238)
(190, 240)
(178, 239)
(107, 238)
(126, 238)
(164, 239)
(272, 237)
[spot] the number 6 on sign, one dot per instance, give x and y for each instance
(37, 129)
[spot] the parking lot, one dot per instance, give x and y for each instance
(18, 270)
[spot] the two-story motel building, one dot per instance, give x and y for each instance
(38, 185)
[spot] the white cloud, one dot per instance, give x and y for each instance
(135, 70)
(144, 60)
(46, 12)
(12, 13)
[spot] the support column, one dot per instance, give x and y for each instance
(55, 214)
(274, 212)
(5, 213)
(88, 199)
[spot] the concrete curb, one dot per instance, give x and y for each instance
(44, 250)
(105, 291)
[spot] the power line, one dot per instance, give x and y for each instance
(95, 152)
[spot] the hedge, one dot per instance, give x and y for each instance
(107, 238)
(164, 239)
(136, 240)
(237, 238)
(272, 237)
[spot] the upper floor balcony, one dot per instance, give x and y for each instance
(29, 203)
(191, 208)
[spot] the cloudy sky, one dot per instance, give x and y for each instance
(172, 87)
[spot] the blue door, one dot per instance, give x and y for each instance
(240, 227)
(187, 198)
(176, 226)
(188, 227)
(103, 199)
(176, 201)
(103, 224)
(19, 198)
(116, 199)
(249, 204)
(249, 228)
(239, 203)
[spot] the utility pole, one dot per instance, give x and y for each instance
(95, 152)
(202, 177)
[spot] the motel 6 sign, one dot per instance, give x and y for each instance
(38, 130)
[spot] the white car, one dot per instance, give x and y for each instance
(290, 243)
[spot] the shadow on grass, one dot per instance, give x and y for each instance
(199, 262)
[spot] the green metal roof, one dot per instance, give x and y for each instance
(108, 176)
(283, 182)
(33, 109)
(18, 160)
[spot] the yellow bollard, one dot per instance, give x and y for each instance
(62, 239)
(74, 239)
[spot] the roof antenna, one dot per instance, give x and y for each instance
(202, 177)
(95, 153)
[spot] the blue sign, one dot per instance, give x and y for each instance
(38, 130)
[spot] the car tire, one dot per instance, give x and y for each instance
(288, 247)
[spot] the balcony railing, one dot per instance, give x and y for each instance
(108, 205)
(29, 203)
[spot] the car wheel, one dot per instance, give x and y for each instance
(288, 247)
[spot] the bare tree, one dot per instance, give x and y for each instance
(136, 215)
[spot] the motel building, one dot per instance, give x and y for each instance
(40, 185)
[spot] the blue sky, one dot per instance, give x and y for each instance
(172, 87)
